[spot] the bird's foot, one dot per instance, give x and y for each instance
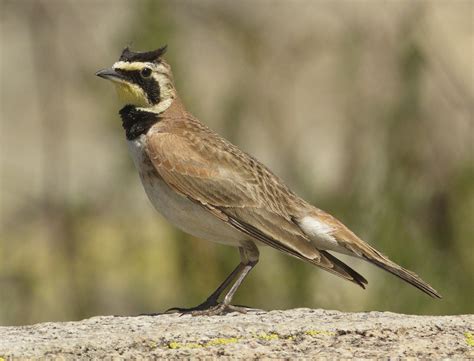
(209, 308)
(220, 309)
(206, 305)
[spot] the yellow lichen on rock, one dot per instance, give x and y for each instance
(317, 332)
(469, 338)
(222, 341)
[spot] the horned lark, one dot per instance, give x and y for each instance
(209, 188)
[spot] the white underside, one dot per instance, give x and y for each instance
(177, 209)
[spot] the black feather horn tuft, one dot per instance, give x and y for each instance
(146, 56)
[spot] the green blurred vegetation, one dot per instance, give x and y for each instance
(367, 118)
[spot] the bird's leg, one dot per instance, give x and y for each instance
(226, 306)
(249, 258)
(211, 301)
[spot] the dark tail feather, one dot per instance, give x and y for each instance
(405, 275)
(341, 268)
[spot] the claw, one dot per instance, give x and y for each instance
(220, 309)
(208, 309)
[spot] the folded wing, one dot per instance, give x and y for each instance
(235, 188)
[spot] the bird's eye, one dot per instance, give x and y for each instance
(146, 72)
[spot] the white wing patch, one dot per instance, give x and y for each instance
(319, 232)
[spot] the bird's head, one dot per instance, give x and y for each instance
(142, 79)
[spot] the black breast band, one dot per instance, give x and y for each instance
(137, 122)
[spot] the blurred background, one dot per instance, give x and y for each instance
(365, 108)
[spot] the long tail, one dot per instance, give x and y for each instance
(384, 263)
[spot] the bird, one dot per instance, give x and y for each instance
(209, 188)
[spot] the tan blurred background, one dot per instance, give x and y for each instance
(364, 107)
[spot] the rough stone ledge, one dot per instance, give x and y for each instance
(297, 333)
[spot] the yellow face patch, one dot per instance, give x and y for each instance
(131, 94)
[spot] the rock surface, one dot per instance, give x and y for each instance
(298, 333)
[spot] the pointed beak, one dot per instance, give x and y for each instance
(110, 74)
